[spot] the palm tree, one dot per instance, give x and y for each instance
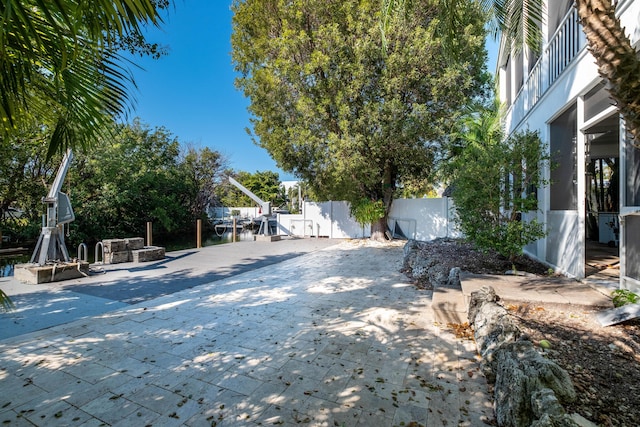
(59, 64)
(59, 61)
(618, 62)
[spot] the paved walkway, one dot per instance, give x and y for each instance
(330, 338)
(110, 287)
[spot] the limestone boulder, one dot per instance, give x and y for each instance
(423, 268)
(529, 389)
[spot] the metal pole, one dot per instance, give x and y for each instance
(149, 233)
(199, 234)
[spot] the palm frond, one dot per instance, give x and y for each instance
(5, 302)
(520, 21)
(56, 59)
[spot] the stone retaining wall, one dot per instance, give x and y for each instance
(529, 389)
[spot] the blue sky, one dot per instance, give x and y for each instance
(191, 90)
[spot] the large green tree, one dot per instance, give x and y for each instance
(519, 20)
(24, 177)
(205, 167)
(335, 108)
(141, 175)
(60, 61)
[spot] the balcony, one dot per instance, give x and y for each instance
(562, 48)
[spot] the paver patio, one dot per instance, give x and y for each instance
(331, 338)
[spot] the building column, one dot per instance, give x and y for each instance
(581, 187)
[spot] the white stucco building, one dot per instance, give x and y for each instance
(592, 207)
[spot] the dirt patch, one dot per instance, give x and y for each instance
(603, 362)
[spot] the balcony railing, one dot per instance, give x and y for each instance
(560, 51)
(568, 40)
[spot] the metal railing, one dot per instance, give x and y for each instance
(82, 252)
(99, 253)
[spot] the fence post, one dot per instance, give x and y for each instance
(199, 234)
(149, 233)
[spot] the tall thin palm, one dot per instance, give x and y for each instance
(57, 60)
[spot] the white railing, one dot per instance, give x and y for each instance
(560, 51)
(565, 44)
(535, 85)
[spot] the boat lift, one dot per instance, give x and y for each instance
(50, 260)
(51, 246)
(265, 207)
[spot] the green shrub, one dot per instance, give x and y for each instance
(494, 184)
(623, 297)
(367, 211)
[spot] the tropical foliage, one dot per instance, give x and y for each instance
(25, 172)
(493, 184)
(59, 62)
(206, 168)
(332, 106)
(142, 175)
(367, 211)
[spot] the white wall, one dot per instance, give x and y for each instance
(424, 219)
(326, 219)
(419, 219)
(564, 246)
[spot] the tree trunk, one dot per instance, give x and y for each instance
(617, 60)
(378, 229)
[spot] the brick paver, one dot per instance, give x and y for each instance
(336, 337)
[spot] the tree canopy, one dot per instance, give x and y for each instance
(142, 175)
(335, 108)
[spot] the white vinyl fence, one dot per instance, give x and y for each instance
(423, 219)
(419, 219)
